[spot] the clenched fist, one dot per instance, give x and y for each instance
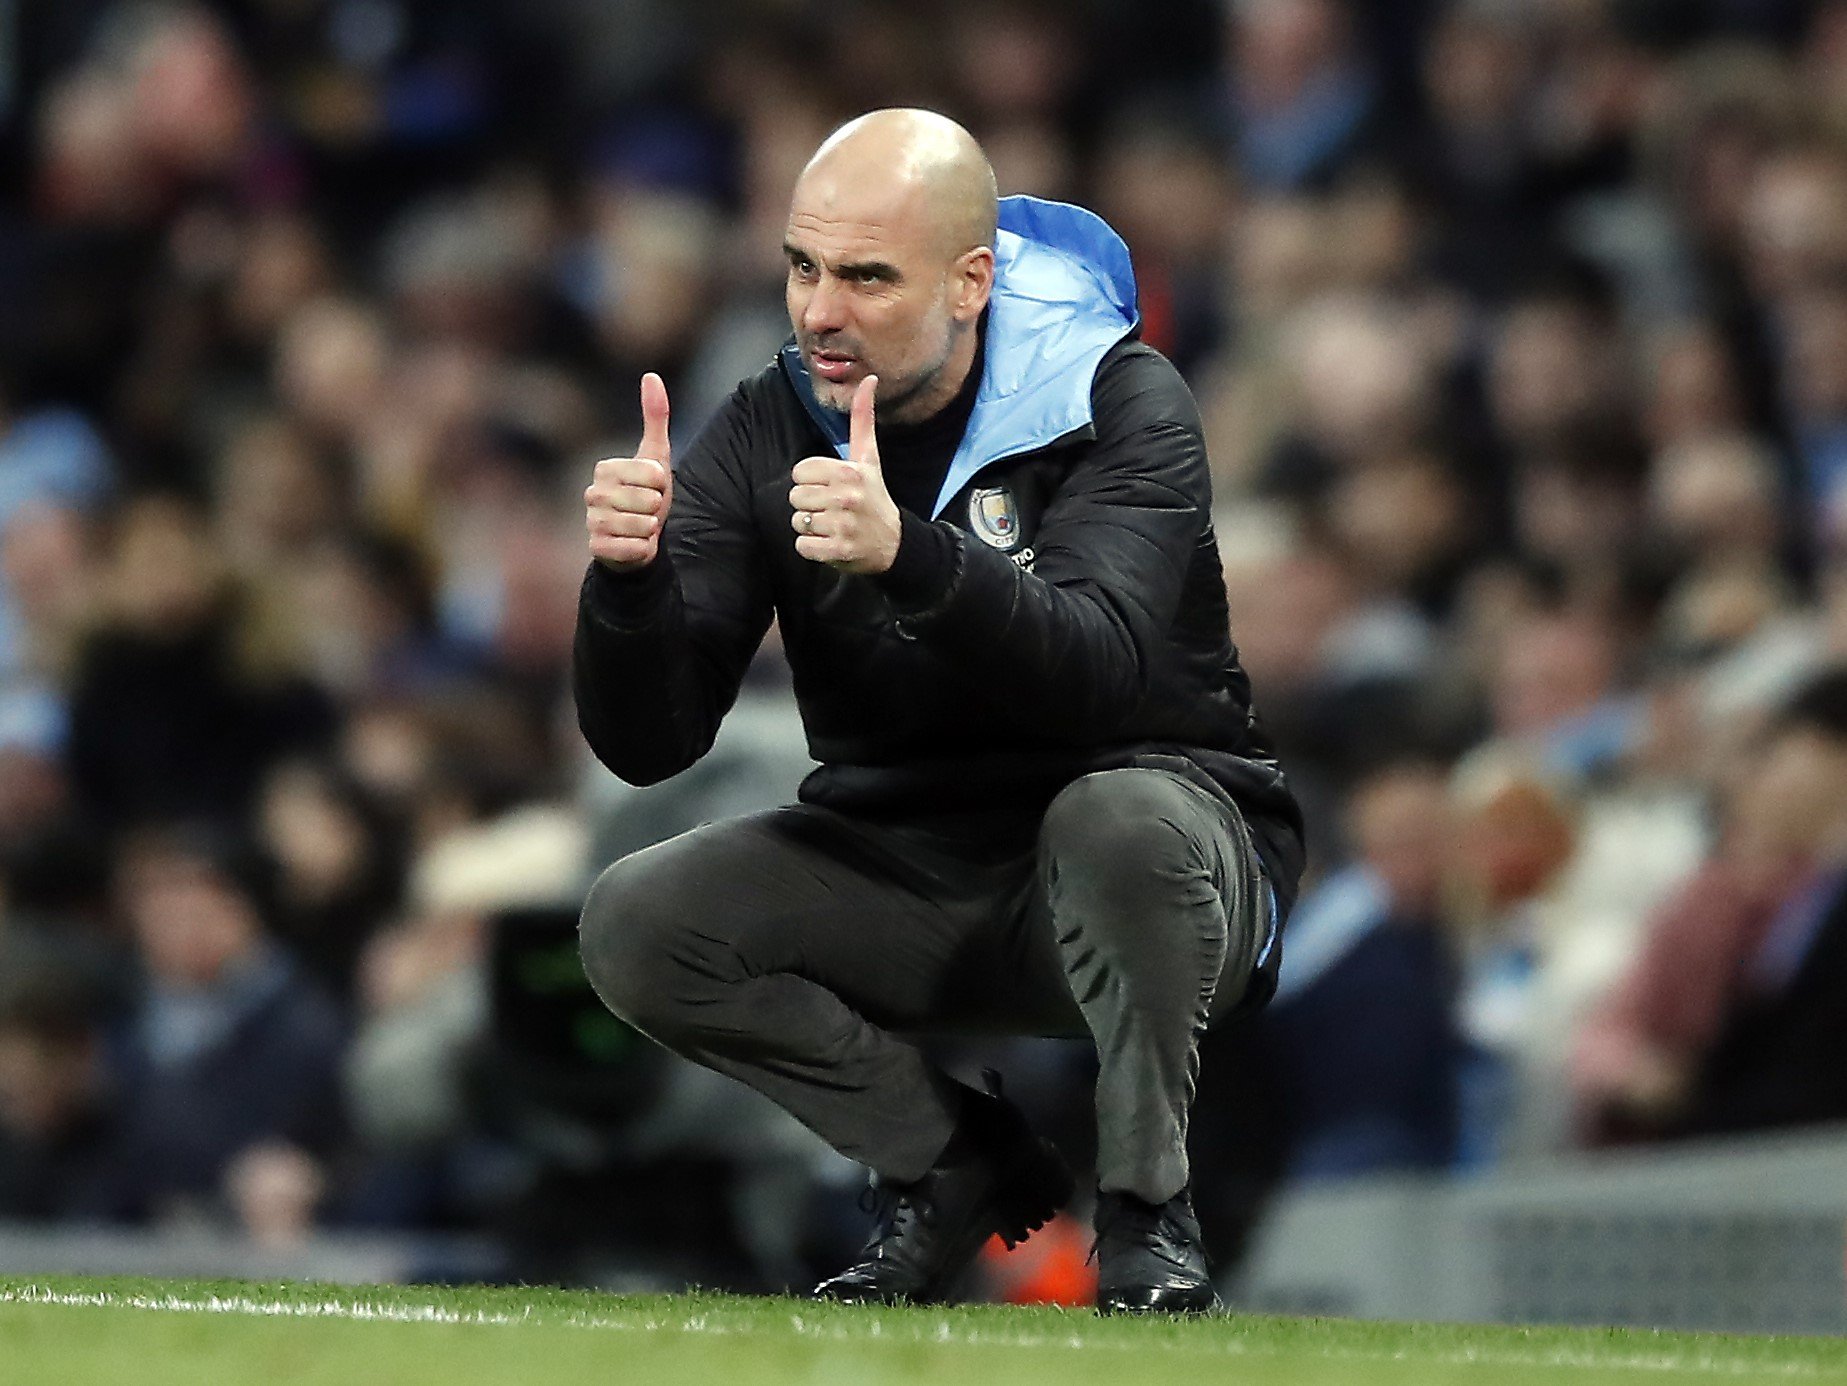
(625, 507)
(843, 515)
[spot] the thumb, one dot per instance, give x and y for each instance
(862, 442)
(654, 444)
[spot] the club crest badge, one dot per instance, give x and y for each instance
(993, 518)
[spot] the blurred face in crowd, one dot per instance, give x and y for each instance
(1694, 390)
(889, 246)
(330, 364)
(1571, 512)
(46, 1079)
(274, 494)
(1014, 59)
(190, 921)
(1400, 825)
(1550, 367)
(1168, 194)
(1474, 71)
(34, 791)
(656, 249)
(193, 97)
(1717, 497)
(1361, 375)
(1551, 668)
(166, 577)
(1795, 223)
(1399, 519)
(44, 560)
(1278, 46)
(317, 837)
(1796, 801)
(1285, 609)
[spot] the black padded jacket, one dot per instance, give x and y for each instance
(1081, 625)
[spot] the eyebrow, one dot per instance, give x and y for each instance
(870, 269)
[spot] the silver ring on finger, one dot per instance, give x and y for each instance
(805, 520)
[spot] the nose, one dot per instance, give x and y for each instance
(825, 310)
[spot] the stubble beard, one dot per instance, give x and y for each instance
(912, 398)
(898, 394)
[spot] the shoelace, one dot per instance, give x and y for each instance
(1163, 1225)
(894, 1212)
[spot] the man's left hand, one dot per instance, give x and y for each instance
(843, 515)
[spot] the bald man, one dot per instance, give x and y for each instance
(979, 509)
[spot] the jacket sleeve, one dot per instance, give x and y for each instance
(1071, 642)
(659, 653)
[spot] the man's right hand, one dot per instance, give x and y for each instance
(625, 507)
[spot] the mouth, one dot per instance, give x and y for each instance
(832, 366)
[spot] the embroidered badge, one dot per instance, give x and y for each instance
(993, 518)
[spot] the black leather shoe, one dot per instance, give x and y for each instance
(1150, 1258)
(996, 1178)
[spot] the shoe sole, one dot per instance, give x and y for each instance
(1192, 1303)
(1039, 1185)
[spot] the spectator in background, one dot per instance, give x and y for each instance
(1633, 1063)
(1362, 1035)
(1301, 95)
(53, 467)
(1525, 954)
(1768, 1066)
(229, 1058)
(1692, 387)
(1166, 186)
(1556, 690)
(338, 871)
(1476, 155)
(364, 614)
(61, 1155)
(45, 594)
(172, 712)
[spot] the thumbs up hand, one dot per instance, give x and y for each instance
(625, 507)
(843, 515)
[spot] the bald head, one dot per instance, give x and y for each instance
(918, 164)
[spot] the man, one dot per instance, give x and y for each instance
(978, 508)
(1770, 1060)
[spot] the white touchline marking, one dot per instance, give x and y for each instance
(940, 1332)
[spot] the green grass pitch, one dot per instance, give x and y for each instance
(63, 1331)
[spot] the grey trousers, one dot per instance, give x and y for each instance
(797, 949)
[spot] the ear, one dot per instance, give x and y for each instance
(974, 282)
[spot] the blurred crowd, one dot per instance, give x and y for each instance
(1520, 328)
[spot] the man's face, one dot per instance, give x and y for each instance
(871, 292)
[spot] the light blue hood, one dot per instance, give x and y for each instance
(1064, 294)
